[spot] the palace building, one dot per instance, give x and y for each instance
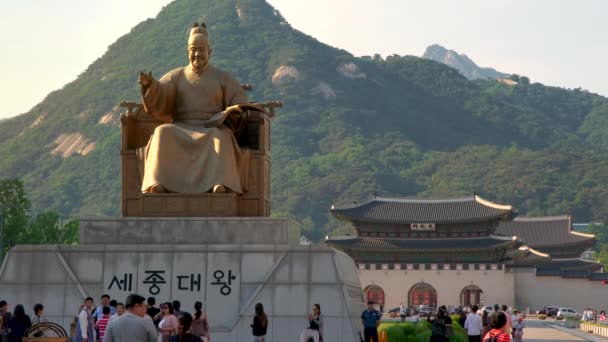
(464, 251)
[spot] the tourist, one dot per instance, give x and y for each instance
(438, 327)
(518, 329)
(602, 316)
(462, 318)
(132, 326)
(498, 334)
(152, 310)
(473, 325)
(5, 316)
(84, 326)
(371, 320)
(105, 302)
(449, 330)
(402, 312)
(184, 333)
(514, 317)
(200, 325)
(102, 323)
(505, 309)
(486, 319)
(168, 324)
(176, 307)
(37, 319)
(38, 312)
(120, 310)
(18, 324)
(315, 326)
(260, 324)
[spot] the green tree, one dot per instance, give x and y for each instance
(20, 228)
(48, 228)
(13, 212)
(602, 256)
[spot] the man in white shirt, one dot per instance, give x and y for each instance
(133, 325)
(473, 325)
(84, 328)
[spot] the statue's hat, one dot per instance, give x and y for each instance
(198, 34)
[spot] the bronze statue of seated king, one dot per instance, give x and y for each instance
(196, 146)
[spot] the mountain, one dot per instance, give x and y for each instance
(350, 127)
(460, 62)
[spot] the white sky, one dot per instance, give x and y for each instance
(47, 43)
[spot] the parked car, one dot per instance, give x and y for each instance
(489, 309)
(567, 312)
(549, 310)
(424, 310)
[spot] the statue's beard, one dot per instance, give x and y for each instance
(198, 64)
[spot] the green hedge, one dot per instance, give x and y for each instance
(417, 332)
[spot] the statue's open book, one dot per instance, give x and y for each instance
(218, 119)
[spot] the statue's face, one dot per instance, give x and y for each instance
(198, 54)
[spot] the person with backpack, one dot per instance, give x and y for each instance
(200, 324)
(438, 327)
(498, 324)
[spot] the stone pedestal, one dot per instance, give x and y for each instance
(229, 264)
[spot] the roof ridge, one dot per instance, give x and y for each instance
(492, 204)
(582, 234)
(423, 200)
(541, 218)
(534, 251)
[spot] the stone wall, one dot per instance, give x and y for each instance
(228, 279)
(535, 292)
(497, 285)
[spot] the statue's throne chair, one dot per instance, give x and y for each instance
(138, 126)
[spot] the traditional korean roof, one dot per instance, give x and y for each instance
(407, 210)
(419, 245)
(525, 256)
(572, 268)
(542, 232)
(574, 264)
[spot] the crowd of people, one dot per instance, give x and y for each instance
(139, 319)
(499, 325)
(591, 315)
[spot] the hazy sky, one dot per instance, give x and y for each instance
(47, 43)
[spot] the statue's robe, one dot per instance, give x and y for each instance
(183, 155)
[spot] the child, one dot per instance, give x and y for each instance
(102, 323)
(518, 328)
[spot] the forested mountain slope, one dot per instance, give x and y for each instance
(350, 126)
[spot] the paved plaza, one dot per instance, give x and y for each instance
(549, 331)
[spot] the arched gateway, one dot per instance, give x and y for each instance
(375, 294)
(422, 294)
(470, 295)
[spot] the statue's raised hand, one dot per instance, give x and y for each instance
(145, 79)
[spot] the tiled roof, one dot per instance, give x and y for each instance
(571, 268)
(539, 232)
(371, 243)
(403, 210)
(570, 265)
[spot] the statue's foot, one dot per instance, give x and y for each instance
(219, 189)
(157, 189)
